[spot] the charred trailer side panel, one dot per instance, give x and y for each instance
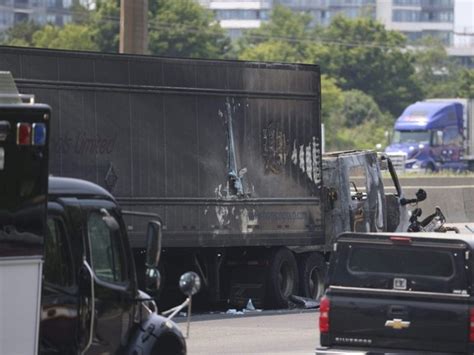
(226, 152)
(23, 188)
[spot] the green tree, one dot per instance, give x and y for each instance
(332, 100)
(80, 14)
(185, 29)
(20, 34)
(105, 25)
(358, 108)
(285, 38)
(364, 136)
(272, 51)
(438, 74)
(71, 36)
(466, 84)
(361, 54)
(356, 122)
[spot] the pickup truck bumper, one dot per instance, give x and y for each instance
(342, 351)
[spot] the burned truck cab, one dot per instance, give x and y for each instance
(356, 197)
(91, 302)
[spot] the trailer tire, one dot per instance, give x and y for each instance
(312, 270)
(282, 280)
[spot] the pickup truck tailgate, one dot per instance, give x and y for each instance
(389, 295)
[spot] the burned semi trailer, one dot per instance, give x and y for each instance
(228, 153)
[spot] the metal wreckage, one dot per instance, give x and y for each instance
(228, 153)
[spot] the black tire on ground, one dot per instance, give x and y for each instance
(282, 278)
(312, 270)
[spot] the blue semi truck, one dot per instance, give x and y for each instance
(434, 134)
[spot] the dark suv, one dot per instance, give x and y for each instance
(399, 293)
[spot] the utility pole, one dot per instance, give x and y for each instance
(134, 26)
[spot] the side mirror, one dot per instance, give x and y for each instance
(189, 283)
(421, 195)
(153, 244)
(152, 280)
(109, 220)
(153, 251)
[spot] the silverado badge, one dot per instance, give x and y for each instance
(397, 324)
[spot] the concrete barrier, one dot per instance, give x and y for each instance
(454, 195)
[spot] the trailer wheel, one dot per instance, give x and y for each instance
(282, 280)
(312, 271)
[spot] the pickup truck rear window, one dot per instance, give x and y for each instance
(405, 262)
(423, 268)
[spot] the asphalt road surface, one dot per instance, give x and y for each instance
(267, 332)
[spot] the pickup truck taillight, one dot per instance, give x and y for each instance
(471, 325)
(324, 306)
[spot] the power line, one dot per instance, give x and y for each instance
(193, 30)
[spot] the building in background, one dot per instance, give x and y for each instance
(414, 18)
(419, 18)
(236, 16)
(323, 11)
(463, 48)
(451, 21)
(56, 12)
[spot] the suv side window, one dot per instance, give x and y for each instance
(106, 250)
(58, 260)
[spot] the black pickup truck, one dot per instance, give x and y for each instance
(399, 294)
